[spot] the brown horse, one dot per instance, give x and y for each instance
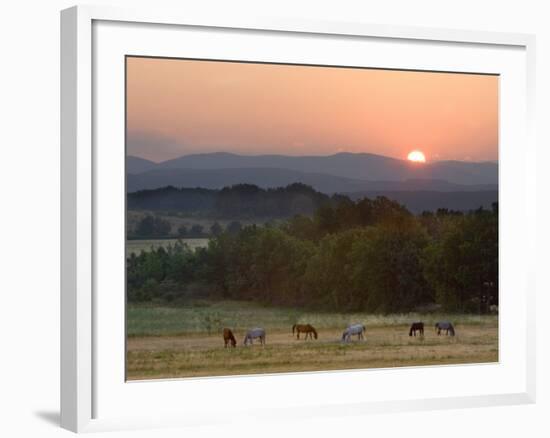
(228, 337)
(308, 329)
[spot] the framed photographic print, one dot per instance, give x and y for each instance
(253, 206)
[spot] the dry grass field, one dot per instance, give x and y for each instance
(190, 350)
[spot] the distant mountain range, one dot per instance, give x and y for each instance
(361, 166)
(352, 174)
(333, 173)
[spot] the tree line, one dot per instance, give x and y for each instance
(370, 255)
(237, 202)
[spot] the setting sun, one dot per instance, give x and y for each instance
(416, 156)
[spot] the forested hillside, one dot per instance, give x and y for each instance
(371, 255)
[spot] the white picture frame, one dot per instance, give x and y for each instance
(90, 39)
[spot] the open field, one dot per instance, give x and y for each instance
(186, 341)
(136, 246)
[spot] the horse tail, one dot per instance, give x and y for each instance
(436, 325)
(411, 331)
(452, 329)
(293, 328)
(344, 336)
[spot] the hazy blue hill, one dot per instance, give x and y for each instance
(463, 172)
(138, 165)
(272, 177)
(247, 200)
(422, 200)
(362, 166)
(218, 178)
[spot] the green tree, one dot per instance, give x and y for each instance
(182, 231)
(462, 265)
(387, 264)
(153, 226)
(234, 227)
(301, 227)
(216, 229)
(197, 230)
(329, 274)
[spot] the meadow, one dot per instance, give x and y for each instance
(186, 341)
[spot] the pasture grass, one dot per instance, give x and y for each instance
(202, 316)
(177, 342)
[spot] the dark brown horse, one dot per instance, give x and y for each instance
(308, 329)
(228, 337)
(417, 326)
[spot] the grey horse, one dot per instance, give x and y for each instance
(254, 334)
(355, 329)
(445, 325)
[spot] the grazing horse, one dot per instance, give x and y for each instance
(308, 329)
(445, 325)
(228, 337)
(253, 334)
(355, 329)
(417, 326)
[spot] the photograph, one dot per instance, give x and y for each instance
(285, 218)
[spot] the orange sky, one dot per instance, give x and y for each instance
(178, 107)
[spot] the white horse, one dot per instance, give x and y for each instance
(254, 334)
(444, 325)
(355, 329)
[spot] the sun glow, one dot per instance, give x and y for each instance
(416, 156)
